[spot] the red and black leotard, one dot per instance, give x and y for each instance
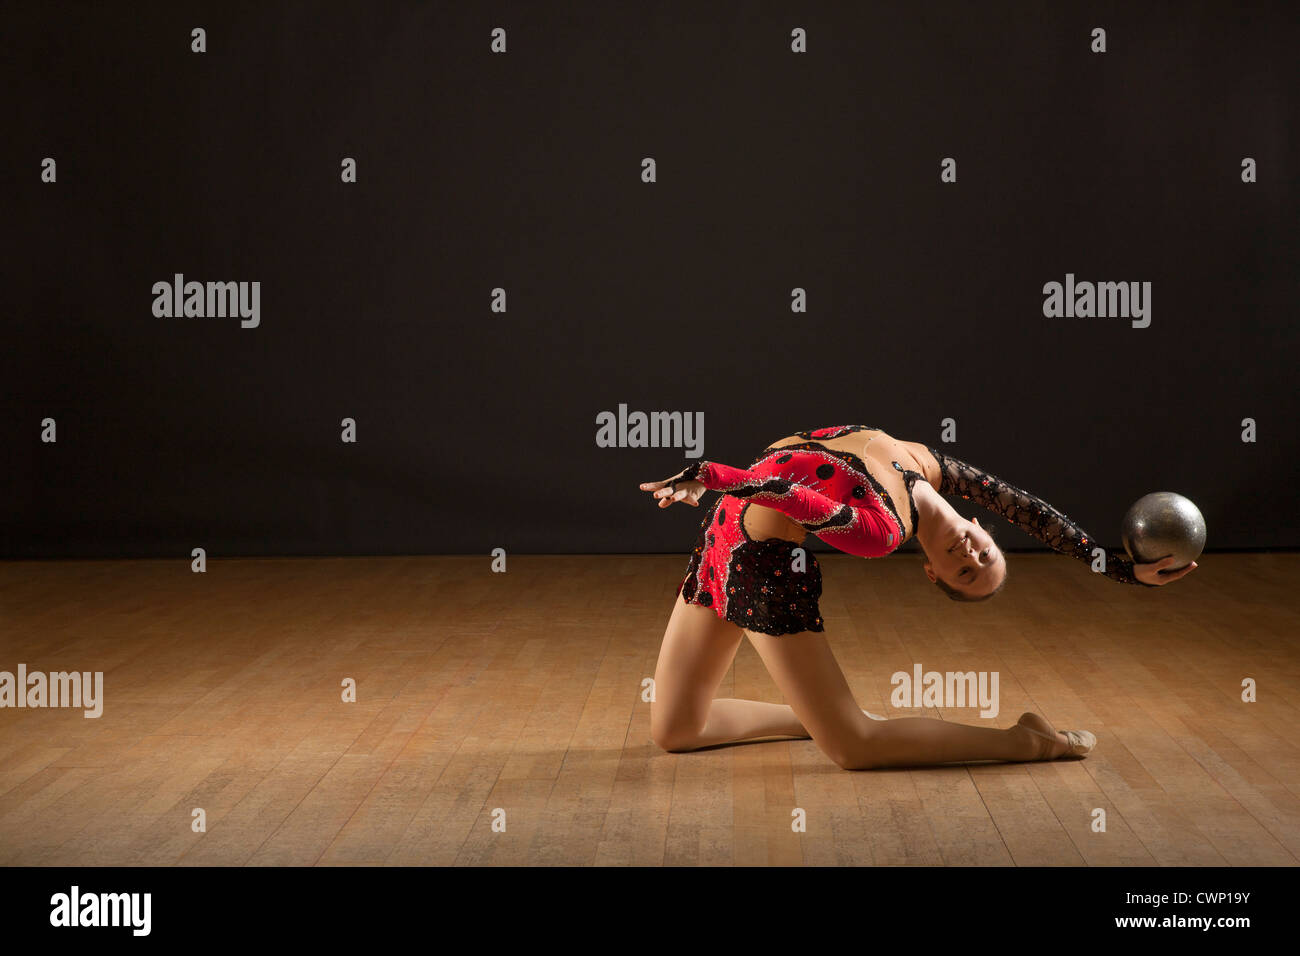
(818, 491)
(763, 584)
(829, 492)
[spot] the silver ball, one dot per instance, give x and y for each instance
(1161, 524)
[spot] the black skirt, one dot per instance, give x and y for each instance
(758, 585)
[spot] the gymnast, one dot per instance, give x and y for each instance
(842, 484)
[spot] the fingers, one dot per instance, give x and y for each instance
(667, 493)
(1175, 575)
(668, 497)
(656, 485)
(665, 497)
(1168, 577)
(680, 496)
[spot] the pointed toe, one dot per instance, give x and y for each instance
(1081, 743)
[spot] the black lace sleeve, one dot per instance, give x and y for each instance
(1030, 514)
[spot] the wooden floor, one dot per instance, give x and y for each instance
(522, 691)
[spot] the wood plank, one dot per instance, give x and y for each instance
(521, 693)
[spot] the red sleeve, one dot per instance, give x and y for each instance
(867, 530)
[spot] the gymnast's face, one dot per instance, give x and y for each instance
(969, 560)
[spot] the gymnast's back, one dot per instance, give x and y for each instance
(845, 462)
(887, 463)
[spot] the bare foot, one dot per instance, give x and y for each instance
(1041, 739)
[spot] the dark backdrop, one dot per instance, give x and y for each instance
(776, 170)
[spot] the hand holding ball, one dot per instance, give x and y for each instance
(1161, 524)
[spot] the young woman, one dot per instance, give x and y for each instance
(845, 485)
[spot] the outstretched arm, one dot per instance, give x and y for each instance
(1030, 514)
(867, 530)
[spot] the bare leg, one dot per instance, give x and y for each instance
(698, 648)
(809, 677)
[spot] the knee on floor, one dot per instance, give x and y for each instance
(674, 742)
(854, 754)
(672, 737)
(859, 763)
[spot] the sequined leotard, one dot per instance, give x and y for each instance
(822, 486)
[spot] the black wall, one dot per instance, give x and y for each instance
(776, 170)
